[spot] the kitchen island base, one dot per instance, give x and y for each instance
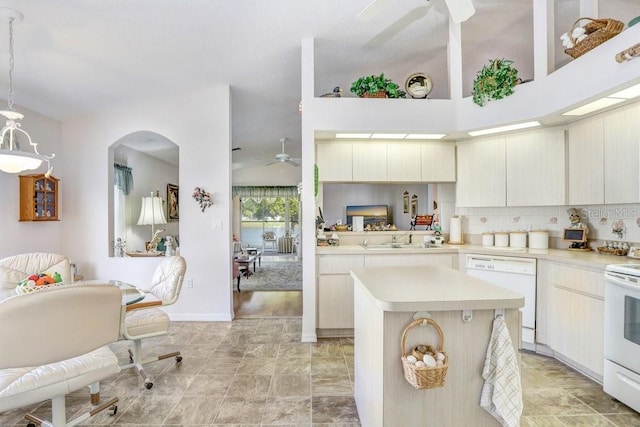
(383, 395)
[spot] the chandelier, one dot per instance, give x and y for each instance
(12, 158)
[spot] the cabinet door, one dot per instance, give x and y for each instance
(576, 315)
(536, 168)
(370, 161)
(481, 173)
(403, 162)
(438, 161)
(334, 160)
(335, 302)
(621, 168)
(586, 162)
(409, 260)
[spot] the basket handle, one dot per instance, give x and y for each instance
(573, 27)
(418, 322)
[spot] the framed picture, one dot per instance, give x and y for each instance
(405, 202)
(173, 203)
(414, 205)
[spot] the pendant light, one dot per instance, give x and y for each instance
(12, 158)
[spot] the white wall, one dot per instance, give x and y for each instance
(276, 174)
(201, 128)
(21, 237)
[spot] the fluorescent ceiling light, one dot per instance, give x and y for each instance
(628, 93)
(353, 135)
(593, 106)
(425, 136)
(389, 135)
(507, 128)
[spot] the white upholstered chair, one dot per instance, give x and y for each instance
(55, 341)
(145, 319)
(18, 267)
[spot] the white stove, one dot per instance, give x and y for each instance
(622, 333)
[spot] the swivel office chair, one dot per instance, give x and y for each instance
(145, 320)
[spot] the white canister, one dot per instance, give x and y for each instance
(501, 239)
(487, 239)
(518, 239)
(539, 239)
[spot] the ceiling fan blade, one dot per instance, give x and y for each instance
(460, 10)
(272, 162)
(371, 11)
(293, 162)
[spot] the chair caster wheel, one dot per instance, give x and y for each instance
(148, 385)
(113, 410)
(178, 359)
(31, 425)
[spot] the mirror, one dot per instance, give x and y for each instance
(142, 164)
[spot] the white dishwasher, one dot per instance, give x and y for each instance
(515, 274)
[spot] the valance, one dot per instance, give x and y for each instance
(265, 191)
(122, 178)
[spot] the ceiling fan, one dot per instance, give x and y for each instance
(284, 157)
(459, 10)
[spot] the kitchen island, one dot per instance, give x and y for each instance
(386, 300)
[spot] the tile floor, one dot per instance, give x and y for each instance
(256, 372)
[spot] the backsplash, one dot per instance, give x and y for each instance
(601, 219)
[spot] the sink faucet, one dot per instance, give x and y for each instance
(410, 238)
(394, 238)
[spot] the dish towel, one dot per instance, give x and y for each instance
(502, 390)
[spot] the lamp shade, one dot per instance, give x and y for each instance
(12, 161)
(151, 212)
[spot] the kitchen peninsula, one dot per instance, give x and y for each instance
(386, 300)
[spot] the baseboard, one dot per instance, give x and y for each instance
(335, 333)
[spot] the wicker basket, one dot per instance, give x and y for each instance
(378, 94)
(424, 377)
(598, 31)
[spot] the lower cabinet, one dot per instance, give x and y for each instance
(334, 295)
(575, 329)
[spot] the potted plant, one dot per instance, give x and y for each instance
(494, 81)
(377, 87)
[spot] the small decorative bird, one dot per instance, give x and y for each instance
(334, 94)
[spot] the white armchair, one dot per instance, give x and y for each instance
(55, 341)
(18, 267)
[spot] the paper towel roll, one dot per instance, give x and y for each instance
(455, 230)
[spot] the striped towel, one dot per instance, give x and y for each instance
(502, 391)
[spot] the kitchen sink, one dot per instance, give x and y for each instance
(400, 246)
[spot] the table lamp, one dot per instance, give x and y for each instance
(152, 213)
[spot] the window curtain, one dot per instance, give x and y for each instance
(123, 179)
(264, 191)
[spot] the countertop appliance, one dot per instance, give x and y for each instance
(622, 333)
(515, 274)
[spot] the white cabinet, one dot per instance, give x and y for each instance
(481, 172)
(409, 260)
(334, 161)
(438, 161)
(621, 162)
(335, 290)
(586, 162)
(535, 162)
(370, 161)
(404, 162)
(575, 327)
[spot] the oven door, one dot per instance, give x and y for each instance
(622, 320)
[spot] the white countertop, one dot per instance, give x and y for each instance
(432, 288)
(591, 259)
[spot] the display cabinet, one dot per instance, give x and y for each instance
(38, 198)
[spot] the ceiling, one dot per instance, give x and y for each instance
(79, 57)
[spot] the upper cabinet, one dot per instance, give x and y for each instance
(370, 161)
(535, 162)
(386, 161)
(621, 162)
(38, 198)
(334, 160)
(438, 161)
(586, 162)
(481, 173)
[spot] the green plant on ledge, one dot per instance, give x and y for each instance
(377, 87)
(494, 81)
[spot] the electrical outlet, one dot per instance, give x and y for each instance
(217, 224)
(189, 282)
